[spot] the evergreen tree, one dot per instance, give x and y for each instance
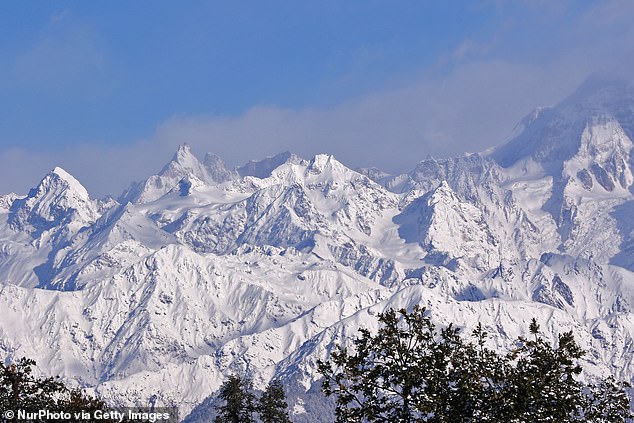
(406, 372)
(239, 401)
(475, 379)
(409, 372)
(543, 385)
(607, 401)
(272, 404)
(21, 390)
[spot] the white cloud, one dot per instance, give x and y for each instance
(473, 108)
(470, 107)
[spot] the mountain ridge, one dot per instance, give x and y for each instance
(201, 270)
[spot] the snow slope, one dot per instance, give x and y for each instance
(201, 270)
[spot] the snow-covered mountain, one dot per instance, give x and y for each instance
(201, 270)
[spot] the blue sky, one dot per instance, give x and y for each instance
(107, 90)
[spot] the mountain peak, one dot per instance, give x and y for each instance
(600, 86)
(183, 160)
(61, 182)
(58, 198)
(59, 174)
(216, 168)
(263, 168)
(184, 156)
(184, 165)
(322, 162)
(551, 136)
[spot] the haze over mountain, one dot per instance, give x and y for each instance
(201, 270)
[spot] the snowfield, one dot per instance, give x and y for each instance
(201, 270)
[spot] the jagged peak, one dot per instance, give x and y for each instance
(374, 173)
(58, 178)
(183, 159)
(183, 153)
(441, 194)
(184, 164)
(59, 199)
(321, 162)
(216, 168)
(464, 173)
(263, 168)
(323, 159)
(444, 191)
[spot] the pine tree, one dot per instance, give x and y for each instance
(543, 380)
(21, 390)
(239, 401)
(406, 372)
(409, 372)
(608, 402)
(272, 404)
(476, 375)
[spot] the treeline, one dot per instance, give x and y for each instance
(410, 372)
